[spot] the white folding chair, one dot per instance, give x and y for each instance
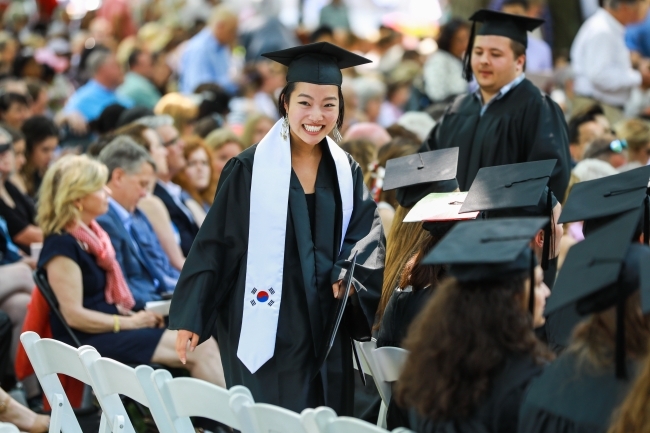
(8, 428)
(49, 358)
(385, 364)
(184, 397)
(324, 420)
(265, 418)
(111, 379)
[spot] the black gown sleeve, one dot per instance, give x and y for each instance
(365, 236)
(212, 265)
(546, 134)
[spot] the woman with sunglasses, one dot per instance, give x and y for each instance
(609, 149)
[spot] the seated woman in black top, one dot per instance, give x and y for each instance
(41, 140)
(88, 283)
(473, 348)
(15, 207)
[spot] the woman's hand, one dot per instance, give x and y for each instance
(143, 319)
(338, 287)
(182, 339)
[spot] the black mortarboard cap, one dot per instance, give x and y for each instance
(318, 63)
(495, 23)
(419, 175)
(487, 249)
(601, 272)
(515, 190)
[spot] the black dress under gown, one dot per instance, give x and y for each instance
(210, 290)
(400, 311)
(573, 397)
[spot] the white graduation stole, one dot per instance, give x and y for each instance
(269, 203)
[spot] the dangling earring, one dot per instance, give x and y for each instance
(284, 132)
(336, 134)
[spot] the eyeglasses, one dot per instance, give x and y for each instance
(171, 142)
(618, 146)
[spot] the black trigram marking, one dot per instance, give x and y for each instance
(271, 291)
(271, 303)
(254, 290)
(253, 302)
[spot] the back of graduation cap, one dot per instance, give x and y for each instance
(495, 23)
(421, 174)
(318, 63)
(596, 200)
(601, 272)
(515, 190)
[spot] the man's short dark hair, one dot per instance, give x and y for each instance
(589, 114)
(517, 48)
(522, 3)
(11, 98)
(134, 58)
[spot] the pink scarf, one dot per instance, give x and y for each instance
(99, 245)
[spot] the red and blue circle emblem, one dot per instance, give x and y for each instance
(262, 296)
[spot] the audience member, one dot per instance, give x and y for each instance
(20, 416)
(16, 208)
(443, 70)
(137, 85)
(584, 127)
(207, 56)
(601, 62)
(609, 149)
(636, 133)
(538, 54)
(196, 179)
(88, 282)
(131, 171)
(41, 141)
(256, 127)
(40, 97)
(223, 145)
(14, 109)
(90, 99)
(183, 109)
(369, 131)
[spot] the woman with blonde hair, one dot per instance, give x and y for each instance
(183, 109)
(223, 145)
(255, 128)
(87, 280)
(196, 179)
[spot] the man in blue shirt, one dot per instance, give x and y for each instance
(207, 56)
(131, 171)
(98, 93)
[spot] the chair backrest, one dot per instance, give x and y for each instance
(49, 358)
(265, 418)
(345, 424)
(389, 361)
(184, 397)
(366, 349)
(43, 285)
(110, 380)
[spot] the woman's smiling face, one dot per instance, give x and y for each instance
(312, 110)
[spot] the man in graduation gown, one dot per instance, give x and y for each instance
(507, 120)
(211, 289)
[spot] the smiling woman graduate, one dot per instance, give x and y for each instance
(264, 270)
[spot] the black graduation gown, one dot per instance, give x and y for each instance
(524, 125)
(572, 398)
(400, 311)
(499, 412)
(210, 290)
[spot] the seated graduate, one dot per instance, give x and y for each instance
(600, 278)
(411, 184)
(473, 348)
(520, 190)
(437, 206)
(267, 264)
(131, 170)
(88, 283)
(596, 203)
(15, 207)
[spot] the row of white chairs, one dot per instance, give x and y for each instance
(171, 401)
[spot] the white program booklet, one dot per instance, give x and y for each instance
(159, 307)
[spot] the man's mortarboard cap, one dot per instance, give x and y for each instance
(514, 190)
(487, 249)
(601, 272)
(495, 23)
(421, 174)
(318, 63)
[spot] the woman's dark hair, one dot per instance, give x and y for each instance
(459, 343)
(285, 96)
(36, 130)
(11, 98)
(214, 99)
(448, 31)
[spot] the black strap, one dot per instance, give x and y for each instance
(546, 248)
(531, 298)
(646, 220)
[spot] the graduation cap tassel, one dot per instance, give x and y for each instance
(467, 60)
(621, 371)
(531, 295)
(646, 220)
(546, 248)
